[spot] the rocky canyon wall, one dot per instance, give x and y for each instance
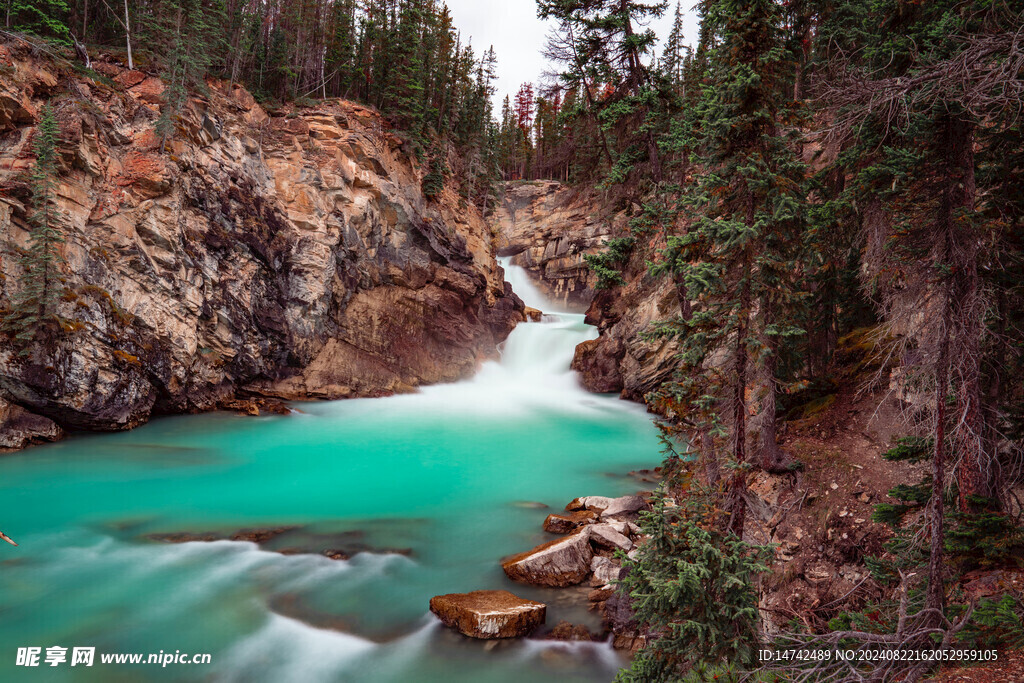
(287, 254)
(548, 228)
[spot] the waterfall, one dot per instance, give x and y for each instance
(523, 286)
(441, 472)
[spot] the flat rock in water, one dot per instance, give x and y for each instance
(606, 536)
(489, 614)
(567, 522)
(562, 562)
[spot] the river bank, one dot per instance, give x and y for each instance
(457, 475)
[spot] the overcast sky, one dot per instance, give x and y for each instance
(517, 35)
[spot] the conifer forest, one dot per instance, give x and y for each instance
(799, 235)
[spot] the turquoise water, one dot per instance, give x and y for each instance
(452, 476)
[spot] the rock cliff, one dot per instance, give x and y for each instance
(548, 228)
(287, 254)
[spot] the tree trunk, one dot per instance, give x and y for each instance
(967, 313)
(770, 457)
(737, 501)
(936, 597)
(128, 35)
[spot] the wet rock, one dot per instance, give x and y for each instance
(567, 522)
(532, 314)
(601, 594)
(598, 365)
(598, 503)
(562, 562)
(489, 614)
(570, 632)
(19, 428)
(256, 406)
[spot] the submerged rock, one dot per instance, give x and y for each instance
(564, 523)
(562, 562)
(530, 505)
(288, 540)
(566, 631)
(489, 614)
(258, 536)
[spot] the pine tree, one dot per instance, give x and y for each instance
(33, 306)
(44, 18)
(187, 35)
(674, 55)
(691, 587)
(739, 259)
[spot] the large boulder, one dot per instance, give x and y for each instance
(624, 508)
(558, 563)
(608, 537)
(564, 523)
(489, 614)
(598, 365)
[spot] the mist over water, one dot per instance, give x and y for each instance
(452, 475)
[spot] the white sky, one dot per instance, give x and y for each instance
(518, 36)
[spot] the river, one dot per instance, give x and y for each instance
(453, 476)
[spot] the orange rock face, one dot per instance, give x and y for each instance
(287, 254)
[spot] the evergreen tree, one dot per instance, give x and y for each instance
(44, 18)
(674, 55)
(691, 588)
(33, 306)
(739, 260)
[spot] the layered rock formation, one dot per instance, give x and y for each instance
(286, 254)
(547, 228)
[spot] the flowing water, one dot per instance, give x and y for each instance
(454, 476)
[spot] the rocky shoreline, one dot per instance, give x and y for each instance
(595, 533)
